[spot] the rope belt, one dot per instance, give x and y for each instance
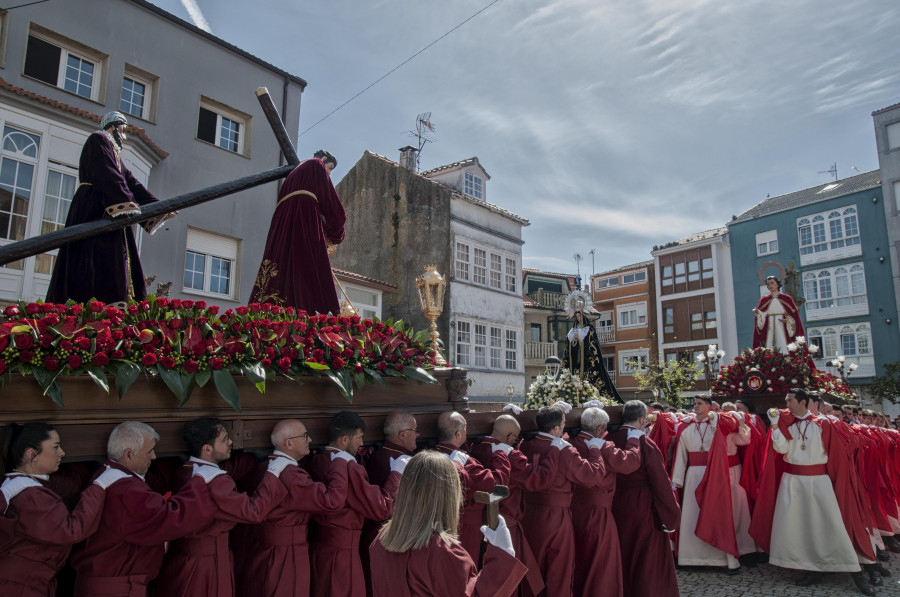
(295, 193)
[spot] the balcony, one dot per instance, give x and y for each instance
(865, 367)
(545, 298)
(538, 352)
(606, 334)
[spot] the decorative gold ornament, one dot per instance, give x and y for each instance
(652, 417)
(430, 287)
(773, 412)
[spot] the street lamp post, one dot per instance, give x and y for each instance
(510, 390)
(711, 361)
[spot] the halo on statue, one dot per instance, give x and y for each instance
(578, 301)
(768, 264)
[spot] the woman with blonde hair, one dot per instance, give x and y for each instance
(417, 552)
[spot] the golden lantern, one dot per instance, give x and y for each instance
(430, 288)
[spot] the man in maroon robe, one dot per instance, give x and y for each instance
(105, 266)
(309, 218)
(645, 508)
(400, 434)
(548, 517)
(279, 556)
(598, 565)
(335, 562)
(474, 477)
(201, 562)
(524, 476)
(127, 550)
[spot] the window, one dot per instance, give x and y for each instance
(632, 315)
(836, 292)
(496, 347)
(848, 340)
(893, 135)
(679, 273)
(473, 185)
(480, 268)
(511, 275)
(631, 360)
(829, 235)
(710, 317)
(535, 332)
(63, 63)
(667, 275)
(462, 261)
(634, 277)
(707, 267)
(607, 282)
(366, 300)
(897, 195)
(480, 345)
(696, 321)
(18, 160)
(669, 319)
(496, 270)
(463, 342)
(209, 264)
(511, 349)
(766, 243)
(138, 93)
(223, 127)
(693, 268)
(59, 191)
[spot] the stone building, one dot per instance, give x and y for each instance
(399, 221)
(190, 96)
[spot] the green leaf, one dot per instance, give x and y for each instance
(203, 377)
(261, 386)
(316, 366)
(422, 336)
(126, 374)
(99, 376)
(338, 379)
(173, 380)
(187, 382)
(227, 388)
(348, 383)
(419, 374)
(254, 372)
(49, 384)
(360, 379)
(375, 375)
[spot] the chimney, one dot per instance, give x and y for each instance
(408, 156)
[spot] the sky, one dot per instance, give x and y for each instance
(612, 125)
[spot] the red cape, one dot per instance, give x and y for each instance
(716, 522)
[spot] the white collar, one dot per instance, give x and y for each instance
(201, 462)
(581, 333)
(21, 474)
(541, 433)
(280, 454)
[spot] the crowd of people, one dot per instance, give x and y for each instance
(592, 513)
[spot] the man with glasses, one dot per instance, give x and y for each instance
(279, 565)
(523, 476)
(400, 434)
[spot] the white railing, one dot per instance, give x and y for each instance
(606, 334)
(540, 351)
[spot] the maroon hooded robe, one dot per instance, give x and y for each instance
(105, 266)
(295, 269)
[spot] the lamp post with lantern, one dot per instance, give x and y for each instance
(430, 287)
(711, 360)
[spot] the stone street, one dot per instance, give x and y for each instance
(770, 581)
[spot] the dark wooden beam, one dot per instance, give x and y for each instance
(281, 134)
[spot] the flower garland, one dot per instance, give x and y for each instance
(187, 343)
(567, 387)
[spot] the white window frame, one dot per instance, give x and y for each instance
(223, 112)
(634, 277)
(831, 343)
(838, 291)
(623, 313)
(463, 251)
(767, 243)
(602, 283)
(642, 354)
(149, 82)
(892, 132)
(212, 246)
(479, 266)
(364, 308)
(487, 345)
(819, 240)
(473, 185)
(67, 48)
(511, 274)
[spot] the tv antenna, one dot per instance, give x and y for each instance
(832, 171)
(423, 134)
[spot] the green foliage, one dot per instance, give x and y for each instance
(887, 387)
(670, 378)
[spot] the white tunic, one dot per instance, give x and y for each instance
(808, 531)
(691, 550)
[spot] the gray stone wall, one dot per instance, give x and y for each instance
(397, 223)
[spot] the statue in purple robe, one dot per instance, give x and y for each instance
(308, 220)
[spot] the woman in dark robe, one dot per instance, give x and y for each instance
(582, 355)
(308, 220)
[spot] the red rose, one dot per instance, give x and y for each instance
(214, 310)
(145, 305)
(276, 309)
(25, 356)
(254, 307)
(284, 363)
(162, 302)
(358, 368)
(132, 309)
(175, 324)
(216, 363)
(399, 366)
(96, 306)
(167, 362)
(32, 308)
(4, 342)
(175, 303)
(2, 366)
(65, 345)
(101, 359)
(337, 363)
(381, 366)
(47, 308)
(318, 355)
(11, 311)
(187, 304)
(191, 366)
(241, 310)
(83, 343)
(24, 341)
(200, 304)
(74, 361)
(75, 309)
(116, 354)
(266, 363)
(148, 359)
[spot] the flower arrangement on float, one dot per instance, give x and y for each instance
(567, 387)
(188, 343)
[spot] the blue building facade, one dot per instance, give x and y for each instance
(836, 237)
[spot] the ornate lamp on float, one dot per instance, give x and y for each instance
(552, 366)
(510, 390)
(430, 288)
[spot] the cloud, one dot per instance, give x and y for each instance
(196, 14)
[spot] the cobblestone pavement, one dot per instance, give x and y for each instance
(771, 581)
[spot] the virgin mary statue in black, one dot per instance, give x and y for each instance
(582, 355)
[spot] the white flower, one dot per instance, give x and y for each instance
(793, 381)
(792, 347)
(800, 339)
(813, 348)
(781, 378)
(853, 366)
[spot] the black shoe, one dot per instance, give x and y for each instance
(733, 571)
(882, 555)
(748, 560)
(863, 584)
(808, 579)
(892, 544)
(881, 569)
(874, 577)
